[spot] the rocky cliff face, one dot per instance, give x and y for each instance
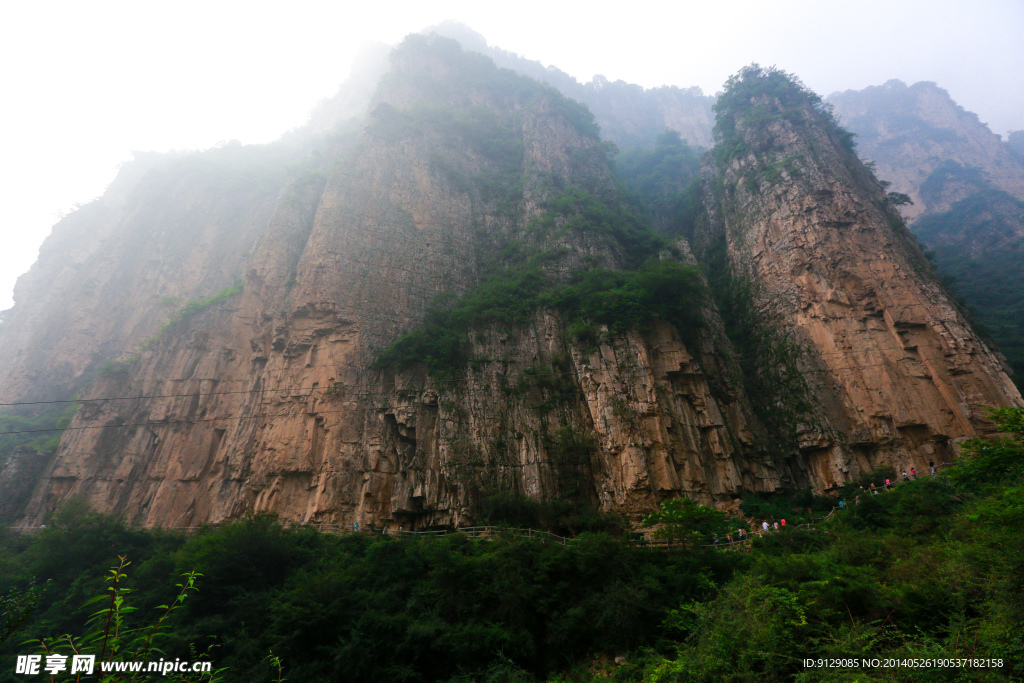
(968, 192)
(867, 355)
(464, 179)
(269, 400)
(167, 231)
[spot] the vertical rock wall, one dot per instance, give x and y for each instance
(270, 399)
(890, 372)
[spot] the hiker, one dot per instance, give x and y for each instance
(856, 501)
(776, 526)
(905, 479)
(873, 489)
(729, 536)
(913, 473)
(783, 522)
(764, 527)
(842, 504)
(931, 464)
(740, 533)
(887, 482)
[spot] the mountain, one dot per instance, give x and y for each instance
(452, 300)
(629, 115)
(928, 146)
(967, 186)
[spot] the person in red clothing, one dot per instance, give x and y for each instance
(783, 522)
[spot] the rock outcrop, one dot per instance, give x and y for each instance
(868, 354)
(268, 400)
(968, 192)
(273, 397)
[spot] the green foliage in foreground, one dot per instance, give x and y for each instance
(682, 520)
(934, 569)
(361, 608)
(931, 570)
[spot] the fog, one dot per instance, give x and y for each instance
(87, 83)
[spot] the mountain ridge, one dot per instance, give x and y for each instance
(464, 182)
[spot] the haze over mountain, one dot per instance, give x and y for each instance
(415, 391)
(87, 85)
(439, 290)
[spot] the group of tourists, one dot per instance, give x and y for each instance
(780, 525)
(889, 483)
(742, 535)
(767, 527)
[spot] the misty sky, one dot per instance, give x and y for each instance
(86, 83)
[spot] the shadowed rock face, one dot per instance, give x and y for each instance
(269, 399)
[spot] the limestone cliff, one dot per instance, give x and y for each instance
(167, 230)
(412, 337)
(269, 400)
(968, 192)
(856, 341)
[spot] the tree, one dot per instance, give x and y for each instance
(899, 199)
(680, 519)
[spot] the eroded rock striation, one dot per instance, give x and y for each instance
(967, 186)
(462, 179)
(866, 354)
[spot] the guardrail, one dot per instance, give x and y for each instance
(489, 532)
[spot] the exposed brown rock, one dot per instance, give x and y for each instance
(891, 370)
(269, 400)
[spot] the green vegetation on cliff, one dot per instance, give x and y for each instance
(977, 243)
(550, 258)
(37, 430)
(756, 96)
(619, 300)
(665, 177)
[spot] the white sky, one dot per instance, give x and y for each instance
(84, 83)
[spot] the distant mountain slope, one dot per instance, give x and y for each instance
(629, 115)
(968, 192)
(927, 145)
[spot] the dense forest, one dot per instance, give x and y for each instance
(929, 569)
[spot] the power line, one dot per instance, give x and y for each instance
(151, 396)
(336, 386)
(359, 400)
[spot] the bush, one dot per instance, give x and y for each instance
(620, 300)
